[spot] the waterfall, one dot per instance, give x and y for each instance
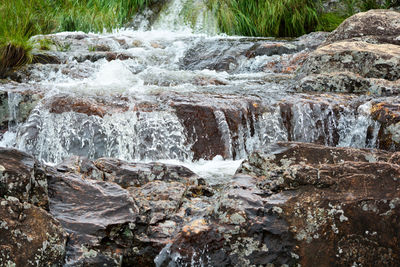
(176, 94)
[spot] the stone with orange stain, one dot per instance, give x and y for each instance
(195, 227)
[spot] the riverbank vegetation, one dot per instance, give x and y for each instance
(21, 19)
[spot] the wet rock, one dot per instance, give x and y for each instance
(348, 82)
(387, 113)
(89, 106)
(209, 121)
(374, 26)
(220, 55)
(22, 177)
(269, 49)
(46, 57)
(16, 104)
(111, 225)
(92, 212)
(29, 235)
(4, 112)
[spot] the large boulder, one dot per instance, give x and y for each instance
(300, 204)
(361, 56)
(91, 211)
(29, 235)
(368, 60)
(373, 26)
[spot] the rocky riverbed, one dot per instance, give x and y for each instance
(108, 142)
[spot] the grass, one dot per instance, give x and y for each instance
(286, 18)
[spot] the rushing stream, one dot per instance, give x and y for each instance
(171, 95)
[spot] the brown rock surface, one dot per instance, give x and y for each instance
(207, 117)
(29, 236)
(302, 204)
(114, 225)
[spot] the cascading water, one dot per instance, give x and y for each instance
(130, 95)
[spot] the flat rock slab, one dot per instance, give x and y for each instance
(88, 209)
(368, 60)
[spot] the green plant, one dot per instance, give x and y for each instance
(284, 18)
(21, 19)
(329, 21)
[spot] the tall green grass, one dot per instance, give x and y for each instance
(286, 18)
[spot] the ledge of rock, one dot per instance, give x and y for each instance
(120, 212)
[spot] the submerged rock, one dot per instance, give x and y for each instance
(29, 235)
(213, 124)
(16, 104)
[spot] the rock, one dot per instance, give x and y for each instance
(269, 49)
(374, 26)
(220, 55)
(29, 235)
(46, 57)
(348, 82)
(368, 60)
(209, 121)
(92, 212)
(138, 174)
(387, 113)
(335, 198)
(361, 56)
(112, 225)
(22, 177)
(90, 106)
(16, 104)
(299, 203)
